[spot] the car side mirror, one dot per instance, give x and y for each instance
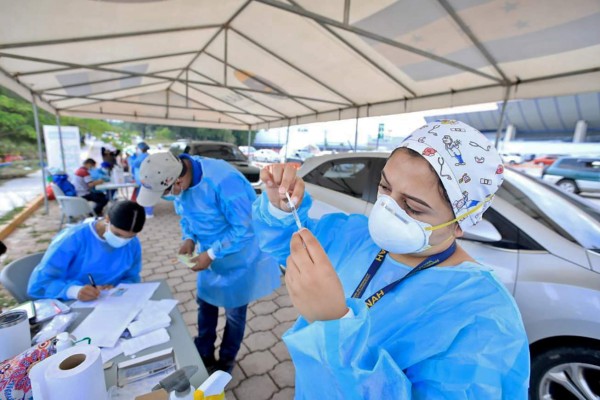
(484, 231)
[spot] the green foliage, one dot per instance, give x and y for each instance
(172, 133)
(18, 136)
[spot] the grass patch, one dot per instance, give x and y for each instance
(19, 169)
(6, 301)
(10, 215)
(43, 240)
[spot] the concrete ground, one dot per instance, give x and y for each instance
(263, 370)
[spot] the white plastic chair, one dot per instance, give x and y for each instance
(15, 276)
(71, 207)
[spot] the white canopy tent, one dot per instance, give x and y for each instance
(251, 64)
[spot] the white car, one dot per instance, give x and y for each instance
(266, 155)
(542, 243)
(248, 151)
(512, 159)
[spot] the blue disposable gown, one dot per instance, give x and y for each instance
(216, 213)
(445, 333)
(135, 162)
(78, 251)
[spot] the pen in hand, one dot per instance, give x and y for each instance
(91, 278)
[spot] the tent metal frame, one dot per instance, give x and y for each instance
(329, 25)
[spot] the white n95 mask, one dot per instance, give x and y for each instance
(392, 229)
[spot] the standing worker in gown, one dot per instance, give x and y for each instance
(391, 307)
(135, 161)
(214, 201)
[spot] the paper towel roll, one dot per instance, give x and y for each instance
(72, 374)
(14, 334)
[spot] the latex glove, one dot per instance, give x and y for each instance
(88, 293)
(202, 261)
(313, 284)
(187, 247)
(280, 178)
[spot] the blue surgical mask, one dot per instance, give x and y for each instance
(171, 196)
(114, 240)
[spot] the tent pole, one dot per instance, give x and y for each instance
(356, 132)
(249, 138)
(499, 130)
(40, 152)
(60, 139)
(287, 141)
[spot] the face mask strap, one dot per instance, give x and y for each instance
(465, 215)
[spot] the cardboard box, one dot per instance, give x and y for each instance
(160, 394)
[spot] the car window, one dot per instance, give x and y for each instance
(222, 152)
(178, 148)
(344, 176)
(571, 218)
(512, 237)
(569, 163)
(592, 166)
(373, 185)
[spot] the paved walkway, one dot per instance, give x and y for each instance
(19, 191)
(264, 369)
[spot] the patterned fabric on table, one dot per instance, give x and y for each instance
(14, 372)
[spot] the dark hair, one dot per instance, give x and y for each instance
(414, 154)
(90, 161)
(127, 215)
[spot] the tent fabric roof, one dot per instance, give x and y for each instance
(251, 64)
(548, 114)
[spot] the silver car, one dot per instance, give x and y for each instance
(543, 244)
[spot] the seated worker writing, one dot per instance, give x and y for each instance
(108, 250)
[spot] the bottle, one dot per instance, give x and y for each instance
(64, 341)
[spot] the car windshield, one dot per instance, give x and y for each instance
(572, 218)
(222, 152)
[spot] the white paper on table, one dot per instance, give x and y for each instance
(145, 325)
(140, 343)
(108, 353)
(105, 325)
(124, 295)
(93, 303)
(154, 307)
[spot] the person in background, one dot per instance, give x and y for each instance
(135, 161)
(110, 155)
(214, 201)
(61, 179)
(103, 173)
(391, 306)
(84, 183)
(107, 249)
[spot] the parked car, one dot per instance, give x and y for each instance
(574, 175)
(266, 155)
(546, 160)
(511, 159)
(542, 243)
(223, 151)
(248, 151)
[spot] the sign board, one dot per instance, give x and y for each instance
(380, 131)
(71, 148)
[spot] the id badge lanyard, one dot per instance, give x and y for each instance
(429, 262)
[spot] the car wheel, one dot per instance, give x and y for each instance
(566, 373)
(568, 185)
